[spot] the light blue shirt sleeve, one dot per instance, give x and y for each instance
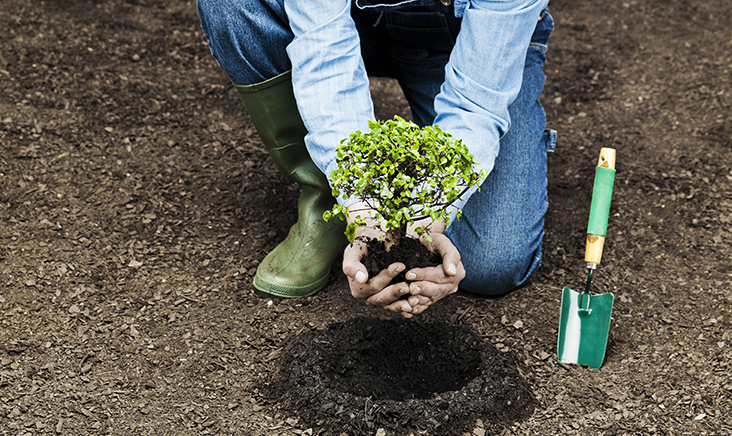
(484, 74)
(328, 76)
(482, 77)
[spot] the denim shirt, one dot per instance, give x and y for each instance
(483, 75)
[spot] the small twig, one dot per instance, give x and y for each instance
(565, 366)
(464, 312)
(190, 299)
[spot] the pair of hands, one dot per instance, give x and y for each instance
(426, 285)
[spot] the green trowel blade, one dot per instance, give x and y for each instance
(584, 324)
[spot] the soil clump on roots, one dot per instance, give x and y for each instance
(400, 375)
(410, 252)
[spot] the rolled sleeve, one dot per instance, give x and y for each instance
(328, 74)
(484, 74)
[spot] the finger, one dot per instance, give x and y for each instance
(419, 300)
(432, 292)
(388, 295)
(413, 301)
(436, 274)
(448, 251)
(376, 289)
(419, 309)
(360, 292)
(384, 277)
(421, 306)
(352, 266)
(399, 306)
(415, 288)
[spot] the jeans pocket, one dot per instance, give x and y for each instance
(421, 37)
(429, 30)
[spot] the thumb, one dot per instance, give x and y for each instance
(352, 266)
(450, 254)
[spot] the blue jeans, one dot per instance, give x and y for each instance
(501, 228)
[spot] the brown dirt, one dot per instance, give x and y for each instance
(136, 200)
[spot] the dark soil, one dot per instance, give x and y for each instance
(136, 201)
(403, 376)
(410, 252)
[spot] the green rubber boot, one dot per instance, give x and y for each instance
(301, 264)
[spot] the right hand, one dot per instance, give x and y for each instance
(375, 291)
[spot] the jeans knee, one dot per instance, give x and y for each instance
(209, 10)
(501, 271)
(217, 14)
(248, 38)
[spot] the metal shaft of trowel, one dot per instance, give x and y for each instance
(593, 254)
(590, 271)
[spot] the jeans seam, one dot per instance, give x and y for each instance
(539, 46)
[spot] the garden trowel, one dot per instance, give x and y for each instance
(584, 320)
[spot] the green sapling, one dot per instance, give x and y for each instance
(403, 173)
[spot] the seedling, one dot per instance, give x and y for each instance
(404, 173)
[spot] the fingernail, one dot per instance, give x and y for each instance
(360, 277)
(416, 290)
(399, 268)
(404, 290)
(411, 276)
(451, 269)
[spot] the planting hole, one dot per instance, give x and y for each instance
(399, 361)
(401, 375)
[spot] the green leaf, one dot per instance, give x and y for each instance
(351, 232)
(404, 169)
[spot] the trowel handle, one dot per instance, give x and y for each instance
(602, 192)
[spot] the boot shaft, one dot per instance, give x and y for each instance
(272, 107)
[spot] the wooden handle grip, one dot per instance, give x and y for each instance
(600, 209)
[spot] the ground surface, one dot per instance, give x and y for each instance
(136, 200)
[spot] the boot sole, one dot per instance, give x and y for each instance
(267, 290)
